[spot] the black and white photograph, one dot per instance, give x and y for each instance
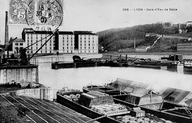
(96, 61)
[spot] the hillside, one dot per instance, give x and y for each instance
(169, 42)
(122, 38)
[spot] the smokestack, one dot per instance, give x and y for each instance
(6, 29)
(6, 33)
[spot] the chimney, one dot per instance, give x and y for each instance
(6, 29)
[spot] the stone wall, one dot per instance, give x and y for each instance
(19, 74)
(38, 93)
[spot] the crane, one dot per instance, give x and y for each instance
(23, 60)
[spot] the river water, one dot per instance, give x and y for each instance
(76, 78)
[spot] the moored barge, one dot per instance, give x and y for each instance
(170, 104)
(103, 108)
(155, 64)
(187, 65)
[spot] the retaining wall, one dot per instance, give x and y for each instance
(38, 93)
(19, 74)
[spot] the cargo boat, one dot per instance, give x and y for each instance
(103, 108)
(164, 105)
(59, 65)
(187, 65)
(87, 63)
(155, 64)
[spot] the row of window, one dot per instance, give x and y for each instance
(86, 47)
(86, 51)
(39, 51)
(65, 51)
(87, 44)
(67, 45)
(68, 38)
(41, 38)
(19, 44)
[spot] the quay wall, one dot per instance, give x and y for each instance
(18, 74)
(152, 56)
(62, 58)
(38, 93)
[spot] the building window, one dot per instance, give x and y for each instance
(16, 44)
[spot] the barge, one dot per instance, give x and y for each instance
(78, 63)
(143, 63)
(155, 64)
(170, 104)
(104, 108)
(187, 65)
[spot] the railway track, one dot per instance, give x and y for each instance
(61, 109)
(41, 111)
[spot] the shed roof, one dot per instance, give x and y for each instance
(175, 95)
(19, 40)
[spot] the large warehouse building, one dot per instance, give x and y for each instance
(62, 42)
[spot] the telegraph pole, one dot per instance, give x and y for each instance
(134, 43)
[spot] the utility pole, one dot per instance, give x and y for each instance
(134, 43)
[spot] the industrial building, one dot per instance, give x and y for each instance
(62, 42)
(31, 37)
(86, 42)
(66, 42)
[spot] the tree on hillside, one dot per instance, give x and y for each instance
(115, 39)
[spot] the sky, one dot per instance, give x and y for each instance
(99, 15)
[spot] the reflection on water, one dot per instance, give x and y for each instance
(78, 77)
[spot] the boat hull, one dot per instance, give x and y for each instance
(161, 114)
(84, 110)
(175, 117)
